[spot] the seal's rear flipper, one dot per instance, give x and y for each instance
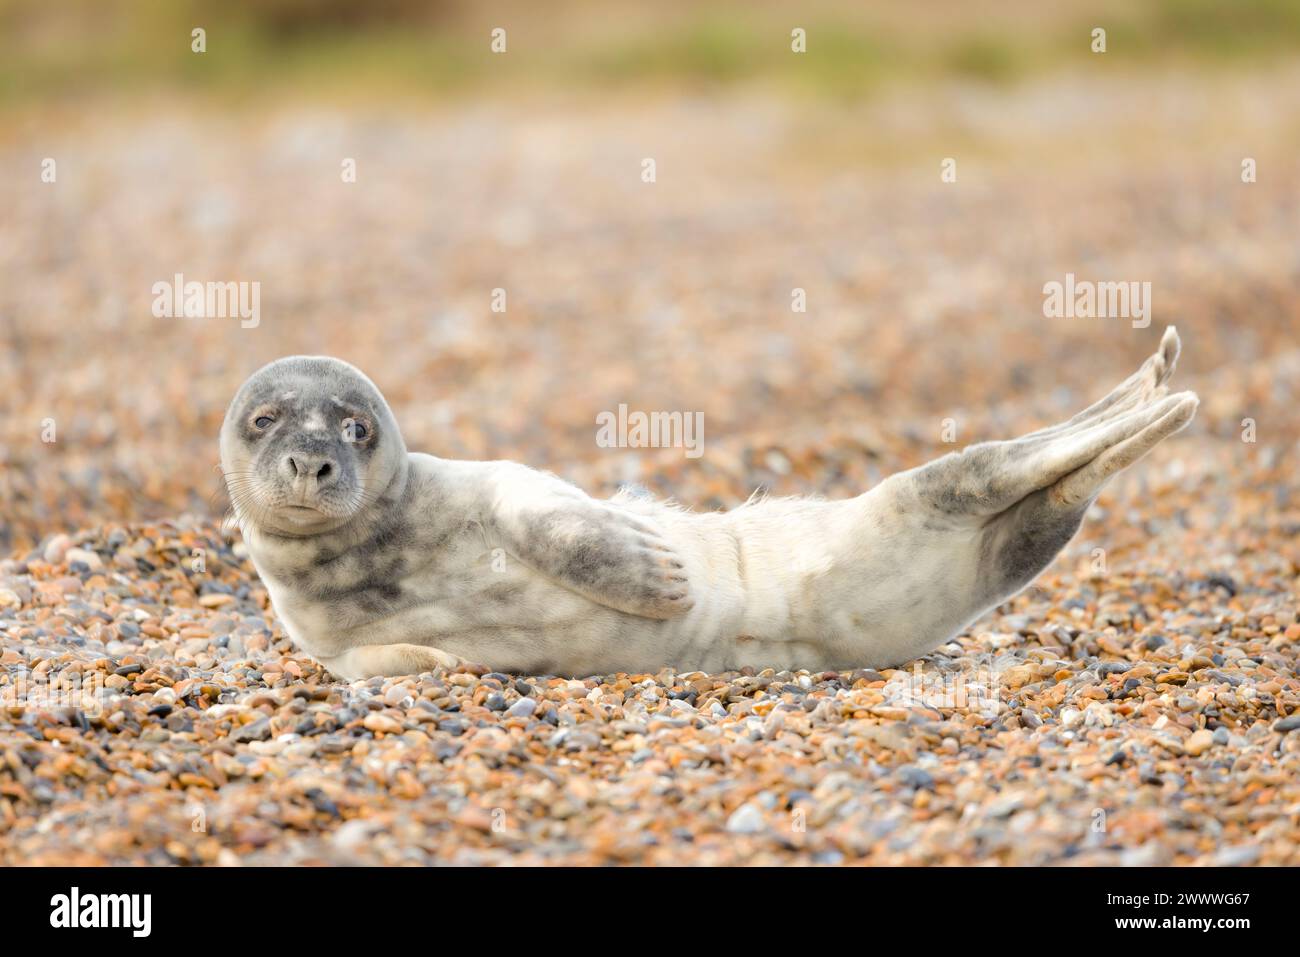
(1084, 484)
(1022, 541)
(1145, 384)
(987, 479)
(1071, 463)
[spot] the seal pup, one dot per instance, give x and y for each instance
(384, 562)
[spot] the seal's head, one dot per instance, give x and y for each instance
(308, 442)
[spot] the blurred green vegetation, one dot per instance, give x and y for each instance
(57, 48)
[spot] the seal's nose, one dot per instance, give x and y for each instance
(313, 471)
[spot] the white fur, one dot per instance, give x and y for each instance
(874, 580)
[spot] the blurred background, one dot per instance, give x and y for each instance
(522, 171)
(778, 174)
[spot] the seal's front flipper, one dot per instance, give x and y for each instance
(610, 555)
(604, 551)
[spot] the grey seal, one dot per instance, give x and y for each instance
(381, 561)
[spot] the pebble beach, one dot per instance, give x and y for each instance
(1139, 704)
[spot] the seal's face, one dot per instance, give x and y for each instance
(307, 443)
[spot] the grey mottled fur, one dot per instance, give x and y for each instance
(381, 561)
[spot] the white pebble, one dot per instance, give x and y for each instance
(746, 819)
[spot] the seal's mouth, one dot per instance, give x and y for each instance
(295, 511)
(302, 514)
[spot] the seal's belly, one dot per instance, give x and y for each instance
(761, 598)
(486, 606)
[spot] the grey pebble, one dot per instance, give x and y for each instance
(915, 777)
(259, 730)
(523, 708)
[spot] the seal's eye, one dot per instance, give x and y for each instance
(354, 430)
(263, 421)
